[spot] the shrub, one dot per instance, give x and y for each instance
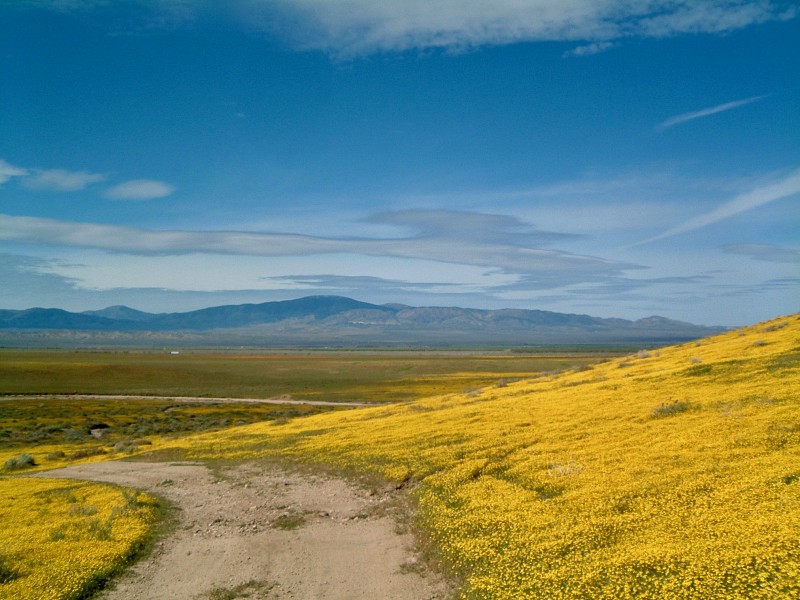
(674, 408)
(7, 572)
(74, 435)
(86, 452)
(23, 461)
(126, 446)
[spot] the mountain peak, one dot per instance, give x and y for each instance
(119, 312)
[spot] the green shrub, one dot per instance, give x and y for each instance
(86, 453)
(23, 461)
(673, 408)
(7, 572)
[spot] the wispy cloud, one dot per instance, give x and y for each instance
(8, 171)
(707, 112)
(349, 28)
(357, 27)
(140, 189)
(63, 180)
(442, 236)
(471, 227)
(589, 49)
(785, 188)
(765, 252)
(60, 180)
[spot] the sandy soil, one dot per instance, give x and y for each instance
(255, 531)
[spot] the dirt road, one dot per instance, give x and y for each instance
(192, 399)
(254, 531)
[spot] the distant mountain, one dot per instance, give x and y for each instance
(335, 320)
(54, 318)
(243, 315)
(120, 313)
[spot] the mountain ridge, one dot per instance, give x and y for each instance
(321, 319)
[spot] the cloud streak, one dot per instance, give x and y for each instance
(785, 188)
(7, 171)
(453, 237)
(140, 189)
(61, 180)
(707, 112)
(765, 252)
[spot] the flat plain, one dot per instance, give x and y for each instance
(380, 376)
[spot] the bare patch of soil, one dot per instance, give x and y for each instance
(256, 531)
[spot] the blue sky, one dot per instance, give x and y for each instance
(609, 157)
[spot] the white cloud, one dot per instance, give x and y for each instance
(785, 188)
(60, 180)
(140, 189)
(589, 49)
(357, 27)
(706, 112)
(348, 28)
(669, 17)
(8, 171)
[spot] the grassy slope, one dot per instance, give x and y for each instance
(670, 474)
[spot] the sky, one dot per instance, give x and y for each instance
(615, 158)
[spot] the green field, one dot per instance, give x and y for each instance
(335, 376)
(63, 425)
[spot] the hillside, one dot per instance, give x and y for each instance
(334, 320)
(667, 474)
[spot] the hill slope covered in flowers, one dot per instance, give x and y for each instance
(671, 473)
(60, 539)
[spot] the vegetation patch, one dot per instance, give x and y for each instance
(250, 589)
(670, 409)
(378, 376)
(289, 521)
(23, 461)
(62, 539)
(698, 370)
(7, 572)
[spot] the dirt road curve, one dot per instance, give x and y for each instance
(198, 399)
(257, 532)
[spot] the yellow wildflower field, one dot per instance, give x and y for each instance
(672, 473)
(60, 538)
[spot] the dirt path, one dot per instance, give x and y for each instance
(192, 399)
(258, 532)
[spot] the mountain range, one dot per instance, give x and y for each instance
(339, 321)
